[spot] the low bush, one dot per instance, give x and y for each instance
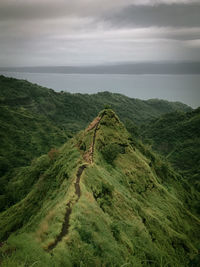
(110, 152)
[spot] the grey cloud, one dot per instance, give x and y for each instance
(49, 32)
(138, 11)
(93, 50)
(30, 11)
(49, 9)
(182, 34)
(175, 15)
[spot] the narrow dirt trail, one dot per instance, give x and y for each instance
(94, 139)
(65, 226)
(89, 155)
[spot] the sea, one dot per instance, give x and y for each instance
(183, 88)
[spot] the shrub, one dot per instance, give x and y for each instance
(83, 146)
(115, 230)
(110, 152)
(132, 128)
(103, 195)
(107, 106)
(86, 235)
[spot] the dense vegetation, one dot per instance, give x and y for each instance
(177, 136)
(133, 209)
(33, 119)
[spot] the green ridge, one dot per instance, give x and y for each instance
(177, 137)
(33, 119)
(132, 210)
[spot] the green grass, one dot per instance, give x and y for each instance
(130, 213)
(34, 120)
(176, 137)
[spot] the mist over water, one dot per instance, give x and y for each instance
(183, 88)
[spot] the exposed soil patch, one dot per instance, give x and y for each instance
(65, 226)
(88, 157)
(77, 184)
(93, 123)
(94, 139)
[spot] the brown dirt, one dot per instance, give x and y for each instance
(65, 226)
(93, 123)
(88, 157)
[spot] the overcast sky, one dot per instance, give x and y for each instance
(85, 32)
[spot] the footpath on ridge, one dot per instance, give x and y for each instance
(89, 158)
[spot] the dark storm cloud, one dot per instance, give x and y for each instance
(162, 15)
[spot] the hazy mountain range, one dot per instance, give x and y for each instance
(122, 68)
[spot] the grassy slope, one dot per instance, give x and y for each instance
(33, 118)
(25, 136)
(177, 136)
(65, 108)
(131, 210)
(25, 131)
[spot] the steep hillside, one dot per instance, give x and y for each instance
(34, 119)
(25, 136)
(102, 199)
(76, 110)
(177, 136)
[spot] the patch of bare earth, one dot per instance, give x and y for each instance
(93, 124)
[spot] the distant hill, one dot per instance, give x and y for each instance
(117, 68)
(102, 199)
(34, 119)
(177, 136)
